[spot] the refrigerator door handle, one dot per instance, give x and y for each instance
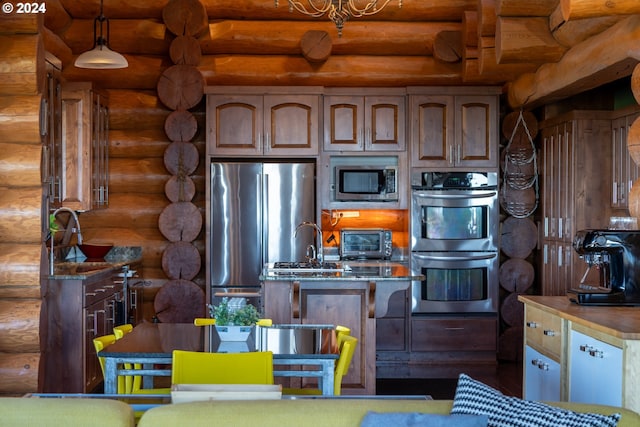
(265, 217)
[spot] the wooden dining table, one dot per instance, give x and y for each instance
(152, 345)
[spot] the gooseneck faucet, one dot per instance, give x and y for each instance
(320, 252)
(75, 229)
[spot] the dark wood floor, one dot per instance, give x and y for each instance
(508, 380)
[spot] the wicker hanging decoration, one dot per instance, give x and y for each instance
(519, 194)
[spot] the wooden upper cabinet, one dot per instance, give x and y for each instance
(248, 124)
(454, 131)
(369, 123)
(625, 171)
(84, 155)
(573, 197)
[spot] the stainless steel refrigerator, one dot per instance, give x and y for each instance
(255, 208)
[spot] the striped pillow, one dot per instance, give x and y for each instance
(475, 398)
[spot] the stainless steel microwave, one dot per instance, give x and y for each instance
(365, 243)
(366, 183)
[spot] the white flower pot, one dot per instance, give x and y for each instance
(234, 333)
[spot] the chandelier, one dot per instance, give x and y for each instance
(339, 11)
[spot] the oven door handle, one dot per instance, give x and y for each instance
(456, 196)
(455, 258)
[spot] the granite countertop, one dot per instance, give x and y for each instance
(352, 270)
(82, 268)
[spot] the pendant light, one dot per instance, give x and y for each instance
(100, 56)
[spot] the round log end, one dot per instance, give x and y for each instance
(635, 83)
(181, 126)
(181, 87)
(185, 50)
(179, 301)
(510, 120)
(447, 46)
(185, 17)
(316, 46)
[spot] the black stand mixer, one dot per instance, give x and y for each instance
(615, 255)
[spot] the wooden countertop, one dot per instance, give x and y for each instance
(621, 322)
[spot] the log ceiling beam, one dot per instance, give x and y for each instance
(599, 60)
(580, 9)
(367, 71)
(265, 37)
(436, 10)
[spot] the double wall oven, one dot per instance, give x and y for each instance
(454, 242)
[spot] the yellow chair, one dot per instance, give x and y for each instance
(133, 383)
(202, 321)
(194, 367)
(120, 331)
(100, 343)
(342, 366)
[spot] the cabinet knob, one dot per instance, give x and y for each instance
(549, 333)
(532, 325)
(585, 348)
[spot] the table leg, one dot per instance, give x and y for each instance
(111, 375)
(327, 379)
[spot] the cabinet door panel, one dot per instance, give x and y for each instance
(385, 123)
(542, 377)
(476, 127)
(343, 123)
(235, 124)
(291, 122)
(595, 373)
(348, 307)
(431, 129)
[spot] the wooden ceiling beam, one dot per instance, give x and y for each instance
(527, 40)
(435, 10)
(580, 9)
(599, 60)
(343, 71)
(525, 8)
(266, 37)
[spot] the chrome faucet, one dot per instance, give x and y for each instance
(75, 229)
(320, 251)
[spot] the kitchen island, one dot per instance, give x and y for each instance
(355, 294)
(581, 353)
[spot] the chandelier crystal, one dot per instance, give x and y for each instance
(338, 11)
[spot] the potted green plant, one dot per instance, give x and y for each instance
(234, 324)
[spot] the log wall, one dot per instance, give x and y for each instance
(22, 77)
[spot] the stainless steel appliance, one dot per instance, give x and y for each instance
(365, 243)
(366, 183)
(454, 242)
(455, 282)
(612, 276)
(254, 211)
(454, 211)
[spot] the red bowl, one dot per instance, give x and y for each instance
(95, 251)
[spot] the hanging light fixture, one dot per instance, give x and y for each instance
(339, 11)
(100, 56)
